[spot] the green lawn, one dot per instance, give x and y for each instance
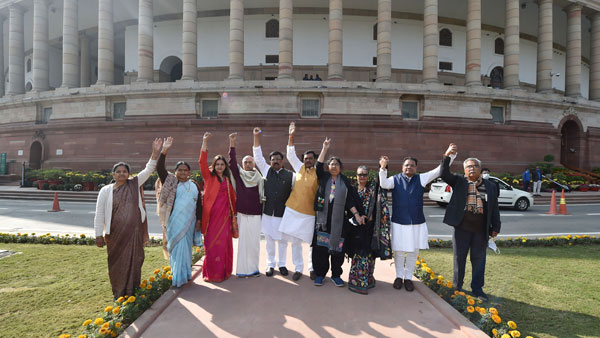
(547, 291)
(51, 289)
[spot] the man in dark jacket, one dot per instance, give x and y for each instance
(474, 214)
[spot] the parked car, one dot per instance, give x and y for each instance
(441, 192)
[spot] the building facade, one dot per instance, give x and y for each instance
(89, 83)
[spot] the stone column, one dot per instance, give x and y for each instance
(236, 39)
(430, 41)
(335, 59)
(84, 72)
(70, 55)
(595, 58)
(16, 69)
(2, 80)
(106, 55)
(473, 61)
(384, 40)
(189, 50)
(573, 69)
(511, 45)
(40, 64)
(145, 41)
(286, 54)
(544, 47)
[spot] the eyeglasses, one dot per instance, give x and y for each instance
(362, 175)
(472, 166)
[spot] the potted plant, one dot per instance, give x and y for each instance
(584, 187)
(88, 181)
(594, 187)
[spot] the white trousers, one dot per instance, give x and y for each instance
(537, 187)
(297, 258)
(248, 244)
(282, 248)
(405, 262)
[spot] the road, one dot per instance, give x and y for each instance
(78, 218)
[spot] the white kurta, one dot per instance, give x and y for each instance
(294, 223)
(409, 237)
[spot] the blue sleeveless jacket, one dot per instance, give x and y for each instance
(407, 200)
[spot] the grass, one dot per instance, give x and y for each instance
(547, 291)
(51, 289)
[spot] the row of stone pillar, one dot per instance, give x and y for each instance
(75, 70)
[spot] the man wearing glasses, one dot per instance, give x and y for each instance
(278, 186)
(409, 230)
(474, 214)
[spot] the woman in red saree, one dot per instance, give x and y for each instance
(218, 209)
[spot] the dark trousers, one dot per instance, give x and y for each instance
(476, 242)
(526, 185)
(320, 261)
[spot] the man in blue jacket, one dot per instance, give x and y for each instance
(474, 214)
(526, 179)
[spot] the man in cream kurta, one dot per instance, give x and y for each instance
(409, 229)
(298, 220)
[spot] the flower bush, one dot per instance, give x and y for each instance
(66, 239)
(487, 319)
(530, 242)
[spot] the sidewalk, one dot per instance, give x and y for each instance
(279, 307)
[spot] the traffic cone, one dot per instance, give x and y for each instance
(55, 206)
(562, 208)
(552, 210)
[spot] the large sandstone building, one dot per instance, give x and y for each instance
(88, 83)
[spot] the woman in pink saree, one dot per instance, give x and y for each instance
(218, 209)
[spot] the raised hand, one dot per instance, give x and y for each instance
(326, 143)
(452, 150)
(156, 146)
(256, 131)
(292, 129)
(232, 137)
(206, 136)
(383, 162)
(167, 143)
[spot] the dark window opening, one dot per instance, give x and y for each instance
(446, 37)
(445, 65)
(272, 29)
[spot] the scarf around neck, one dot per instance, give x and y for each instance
(474, 201)
(253, 178)
(337, 214)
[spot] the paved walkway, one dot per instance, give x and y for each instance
(279, 307)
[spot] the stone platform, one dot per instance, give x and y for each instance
(280, 307)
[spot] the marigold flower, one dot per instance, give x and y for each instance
(118, 325)
(482, 311)
(163, 276)
(131, 299)
(170, 277)
(515, 333)
(156, 271)
(149, 287)
(113, 334)
(142, 285)
(103, 331)
(418, 263)
(479, 301)
(461, 293)
(98, 321)
(471, 301)
(106, 325)
(470, 309)
(512, 324)
(497, 319)
(108, 309)
(143, 296)
(440, 277)
(493, 311)
(505, 336)
(120, 300)
(82, 336)
(439, 282)
(167, 268)
(495, 332)
(151, 279)
(453, 296)
(449, 284)
(116, 310)
(456, 292)
(87, 322)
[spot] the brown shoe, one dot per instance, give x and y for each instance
(408, 285)
(398, 283)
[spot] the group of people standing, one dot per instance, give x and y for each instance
(536, 177)
(324, 208)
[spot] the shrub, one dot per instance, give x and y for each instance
(549, 158)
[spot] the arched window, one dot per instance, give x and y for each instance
(499, 46)
(272, 29)
(28, 65)
(446, 37)
(375, 32)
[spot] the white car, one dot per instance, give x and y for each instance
(441, 193)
